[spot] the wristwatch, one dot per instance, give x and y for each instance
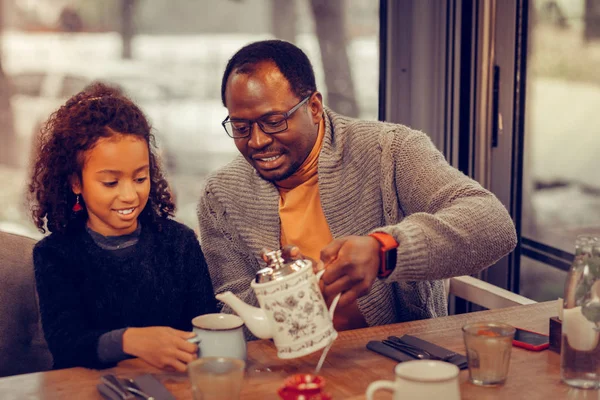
(387, 253)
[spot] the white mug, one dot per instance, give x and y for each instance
(219, 335)
(421, 380)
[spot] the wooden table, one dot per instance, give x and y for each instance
(349, 368)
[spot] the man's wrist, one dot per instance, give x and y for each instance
(387, 253)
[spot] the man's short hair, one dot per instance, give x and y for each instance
(291, 61)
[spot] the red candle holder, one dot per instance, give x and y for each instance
(305, 387)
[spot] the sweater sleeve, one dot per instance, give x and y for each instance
(453, 226)
(230, 267)
(200, 298)
(110, 347)
(70, 340)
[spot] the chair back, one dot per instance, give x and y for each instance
(22, 345)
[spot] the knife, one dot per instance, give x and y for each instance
(112, 382)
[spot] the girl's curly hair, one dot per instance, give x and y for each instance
(96, 112)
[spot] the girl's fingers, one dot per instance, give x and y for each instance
(185, 357)
(175, 365)
(183, 334)
(184, 345)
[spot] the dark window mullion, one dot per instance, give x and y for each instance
(552, 256)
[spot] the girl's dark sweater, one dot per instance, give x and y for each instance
(85, 291)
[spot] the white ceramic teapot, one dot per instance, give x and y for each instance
(292, 309)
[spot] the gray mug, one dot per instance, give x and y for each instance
(219, 335)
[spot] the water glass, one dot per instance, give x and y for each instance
(216, 378)
(488, 346)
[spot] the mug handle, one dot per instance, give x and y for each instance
(335, 300)
(379, 385)
(196, 340)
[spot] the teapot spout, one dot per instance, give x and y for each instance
(254, 317)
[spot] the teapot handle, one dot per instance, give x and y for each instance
(335, 300)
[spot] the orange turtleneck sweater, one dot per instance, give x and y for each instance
(303, 222)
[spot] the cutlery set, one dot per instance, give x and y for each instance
(412, 350)
(145, 387)
(126, 389)
(408, 348)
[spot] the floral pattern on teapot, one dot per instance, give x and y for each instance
(327, 336)
(296, 312)
(296, 307)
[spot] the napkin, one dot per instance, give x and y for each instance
(459, 360)
(147, 383)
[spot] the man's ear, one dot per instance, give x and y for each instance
(75, 184)
(315, 105)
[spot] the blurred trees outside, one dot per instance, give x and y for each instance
(335, 23)
(332, 33)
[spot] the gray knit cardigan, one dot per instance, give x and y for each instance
(373, 176)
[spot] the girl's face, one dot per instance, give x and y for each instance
(115, 183)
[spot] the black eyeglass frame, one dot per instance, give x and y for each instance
(285, 115)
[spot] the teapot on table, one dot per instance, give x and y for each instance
(292, 309)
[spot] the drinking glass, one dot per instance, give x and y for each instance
(488, 346)
(216, 378)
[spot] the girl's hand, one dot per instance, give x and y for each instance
(161, 346)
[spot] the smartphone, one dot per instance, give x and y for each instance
(531, 340)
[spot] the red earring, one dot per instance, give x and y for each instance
(77, 207)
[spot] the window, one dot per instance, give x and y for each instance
(561, 187)
(172, 66)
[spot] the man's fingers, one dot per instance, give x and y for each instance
(334, 271)
(263, 254)
(330, 252)
(318, 266)
(291, 251)
(339, 286)
(347, 298)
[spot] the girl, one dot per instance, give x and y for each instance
(117, 277)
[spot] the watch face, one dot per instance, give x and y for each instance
(390, 259)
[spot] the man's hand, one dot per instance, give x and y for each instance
(351, 266)
(161, 346)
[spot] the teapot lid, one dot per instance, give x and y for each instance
(278, 267)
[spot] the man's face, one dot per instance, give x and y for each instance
(251, 96)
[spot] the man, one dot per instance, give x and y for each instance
(375, 202)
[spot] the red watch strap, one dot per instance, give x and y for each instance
(387, 243)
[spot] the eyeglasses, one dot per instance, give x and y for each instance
(271, 123)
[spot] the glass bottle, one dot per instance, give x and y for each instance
(580, 349)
